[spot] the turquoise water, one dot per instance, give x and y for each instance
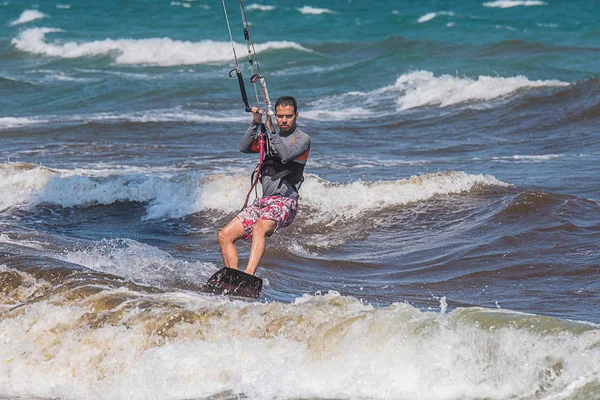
(333, 49)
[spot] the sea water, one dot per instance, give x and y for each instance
(446, 245)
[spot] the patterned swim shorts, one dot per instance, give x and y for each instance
(280, 209)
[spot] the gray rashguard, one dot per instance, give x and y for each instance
(287, 146)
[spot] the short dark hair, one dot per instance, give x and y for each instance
(286, 101)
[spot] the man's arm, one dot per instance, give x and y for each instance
(249, 138)
(249, 142)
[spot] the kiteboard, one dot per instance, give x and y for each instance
(234, 283)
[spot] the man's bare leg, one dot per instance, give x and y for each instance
(233, 231)
(261, 229)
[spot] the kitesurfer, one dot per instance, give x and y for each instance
(281, 176)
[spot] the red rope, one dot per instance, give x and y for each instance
(261, 144)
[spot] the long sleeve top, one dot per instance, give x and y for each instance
(287, 146)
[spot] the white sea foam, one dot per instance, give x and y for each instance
(16, 122)
(314, 10)
(29, 185)
(355, 162)
(335, 201)
(423, 88)
(514, 3)
(28, 16)
(180, 4)
(166, 198)
(49, 75)
(179, 345)
(225, 193)
(427, 17)
(63, 6)
(164, 115)
(19, 182)
(527, 158)
(138, 262)
(432, 15)
(345, 114)
(34, 244)
(105, 170)
(167, 115)
(260, 7)
(164, 52)
(187, 193)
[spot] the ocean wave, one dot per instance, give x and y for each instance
(147, 116)
(19, 122)
(166, 198)
(167, 115)
(560, 207)
(350, 200)
(80, 331)
(260, 7)
(431, 15)
(184, 194)
(163, 52)
(314, 10)
(526, 158)
(419, 89)
(28, 16)
(514, 3)
(584, 100)
(180, 4)
(422, 88)
(521, 48)
(31, 185)
(331, 202)
(140, 263)
(19, 180)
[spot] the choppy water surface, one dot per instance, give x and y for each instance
(447, 242)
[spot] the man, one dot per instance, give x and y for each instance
(281, 176)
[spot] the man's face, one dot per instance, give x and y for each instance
(286, 117)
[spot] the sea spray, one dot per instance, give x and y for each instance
(201, 346)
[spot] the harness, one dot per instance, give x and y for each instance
(292, 172)
(273, 167)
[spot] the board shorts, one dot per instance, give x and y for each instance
(280, 209)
